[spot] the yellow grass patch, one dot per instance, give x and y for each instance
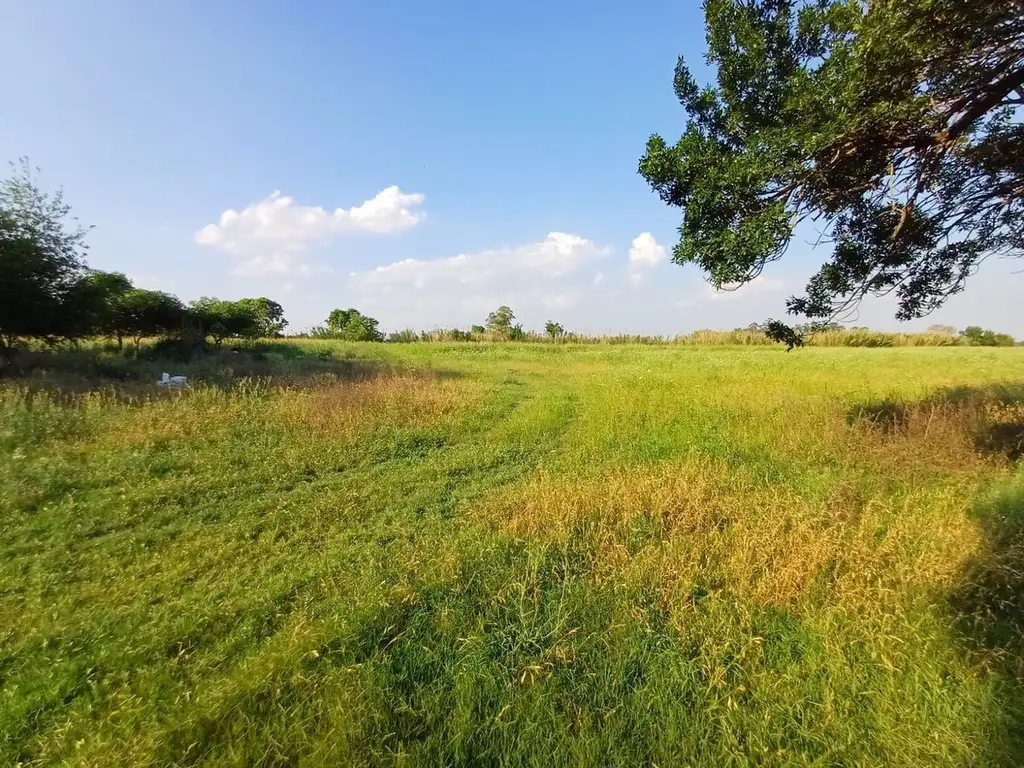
(680, 526)
(398, 400)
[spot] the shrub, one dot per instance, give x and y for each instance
(976, 336)
(403, 337)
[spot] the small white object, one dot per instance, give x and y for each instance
(166, 380)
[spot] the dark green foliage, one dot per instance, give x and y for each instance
(554, 330)
(351, 325)
(93, 306)
(41, 261)
(782, 333)
(148, 313)
(976, 336)
(270, 315)
(47, 293)
(225, 319)
(893, 125)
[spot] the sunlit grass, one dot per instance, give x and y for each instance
(515, 554)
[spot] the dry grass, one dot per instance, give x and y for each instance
(342, 410)
(563, 555)
(680, 526)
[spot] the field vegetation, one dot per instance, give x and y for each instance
(511, 546)
(335, 553)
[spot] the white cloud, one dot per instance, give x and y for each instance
(759, 285)
(556, 255)
(635, 279)
(269, 234)
(599, 278)
(532, 278)
(646, 251)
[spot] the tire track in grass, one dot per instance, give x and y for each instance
(412, 493)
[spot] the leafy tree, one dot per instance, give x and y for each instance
(222, 319)
(554, 330)
(92, 306)
(976, 336)
(500, 320)
(143, 313)
(944, 330)
(352, 325)
(516, 333)
(893, 124)
(477, 329)
(41, 259)
(270, 314)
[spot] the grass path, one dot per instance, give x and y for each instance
(546, 556)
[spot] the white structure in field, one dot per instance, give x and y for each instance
(166, 380)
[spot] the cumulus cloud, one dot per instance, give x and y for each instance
(646, 251)
(268, 235)
(538, 276)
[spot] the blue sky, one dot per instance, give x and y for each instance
(422, 162)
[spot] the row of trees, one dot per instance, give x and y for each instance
(48, 293)
(500, 325)
(352, 325)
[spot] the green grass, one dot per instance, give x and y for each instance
(513, 555)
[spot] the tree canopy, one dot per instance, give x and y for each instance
(553, 329)
(893, 125)
(41, 259)
(270, 316)
(143, 313)
(351, 325)
(500, 320)
(222, 319)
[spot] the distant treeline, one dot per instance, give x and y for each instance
(48, 294)
(855, 337)
(499, 326)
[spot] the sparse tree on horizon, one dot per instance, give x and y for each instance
(351, 325)
(500, 320)
(554, 330)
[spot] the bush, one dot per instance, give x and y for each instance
(350, 325)
(403, 337)
(976, 336)
(183, 349)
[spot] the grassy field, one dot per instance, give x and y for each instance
(511, 555)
